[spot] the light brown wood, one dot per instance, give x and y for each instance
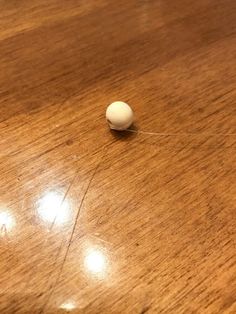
(93, 221)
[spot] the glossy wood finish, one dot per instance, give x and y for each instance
(99, 222)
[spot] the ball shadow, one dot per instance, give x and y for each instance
(125, 135)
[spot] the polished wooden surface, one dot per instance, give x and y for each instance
(97, 222)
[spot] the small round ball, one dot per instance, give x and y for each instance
(119, 116)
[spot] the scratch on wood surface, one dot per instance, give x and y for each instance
(145, 309)
(74, 226)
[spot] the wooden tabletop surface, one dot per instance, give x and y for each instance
(93, 221)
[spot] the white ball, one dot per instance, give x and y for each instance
(119, 116)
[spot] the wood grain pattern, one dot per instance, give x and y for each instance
(93, 221)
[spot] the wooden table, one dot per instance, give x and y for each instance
(93, 221)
